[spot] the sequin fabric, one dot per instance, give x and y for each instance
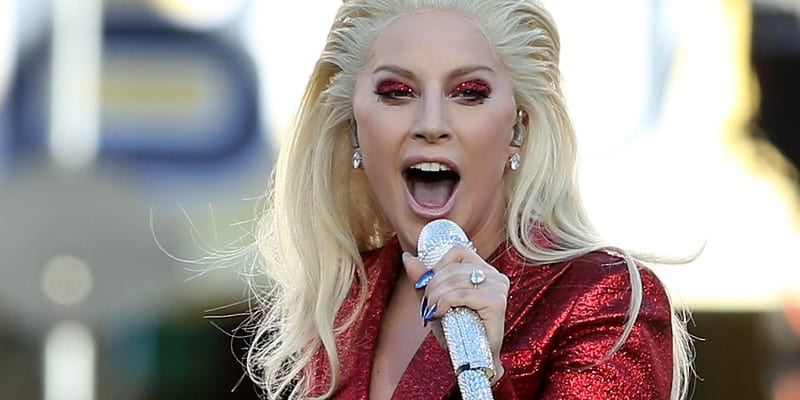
(561, 321)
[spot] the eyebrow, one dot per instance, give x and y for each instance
(460, 71)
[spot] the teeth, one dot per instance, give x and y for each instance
(431, 167)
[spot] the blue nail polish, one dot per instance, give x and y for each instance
(425, 280)
(423, 307)
(433, 311)
(429, 315)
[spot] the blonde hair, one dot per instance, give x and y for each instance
(322, 213)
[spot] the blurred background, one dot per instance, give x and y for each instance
(137, 136)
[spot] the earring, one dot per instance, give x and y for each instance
(519, 130)
(514, 161)
(353, 134)
(358, 159)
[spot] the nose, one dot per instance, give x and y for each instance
(432, 123)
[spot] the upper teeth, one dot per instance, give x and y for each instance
(431, 167)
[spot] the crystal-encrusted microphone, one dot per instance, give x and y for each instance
(464, 332)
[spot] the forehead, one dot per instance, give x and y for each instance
(438, 37)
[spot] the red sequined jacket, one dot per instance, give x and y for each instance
(560, 320)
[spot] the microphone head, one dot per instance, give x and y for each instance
(437, 238)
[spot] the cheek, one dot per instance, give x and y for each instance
(376, 144)
(490, 138)
(380, 131)
(361, 113)
(368, 123)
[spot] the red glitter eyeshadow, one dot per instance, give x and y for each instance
(393, 87)
(481, 88)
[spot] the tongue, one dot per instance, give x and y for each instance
(431, 194)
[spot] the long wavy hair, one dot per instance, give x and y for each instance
(321, 213)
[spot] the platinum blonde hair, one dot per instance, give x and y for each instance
(322, 214)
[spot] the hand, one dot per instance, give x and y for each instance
(451, 287)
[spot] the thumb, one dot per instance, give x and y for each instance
(414, 267)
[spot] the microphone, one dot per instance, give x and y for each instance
(464, 332)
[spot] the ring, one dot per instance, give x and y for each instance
(477, 277)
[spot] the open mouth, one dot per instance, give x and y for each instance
(431, 184)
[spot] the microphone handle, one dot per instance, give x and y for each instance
(464, 332)
(469, 351)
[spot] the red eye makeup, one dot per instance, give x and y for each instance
(394, 90)
(475, 90)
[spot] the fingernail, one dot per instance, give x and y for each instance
(425, 280)
(423, 307)
(405, 256)
(429, 315)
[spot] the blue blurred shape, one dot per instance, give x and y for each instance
(165, 94)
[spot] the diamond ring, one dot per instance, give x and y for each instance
(477, 277)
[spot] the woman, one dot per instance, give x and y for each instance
(428, 109)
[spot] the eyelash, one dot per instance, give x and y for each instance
(472, 92)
